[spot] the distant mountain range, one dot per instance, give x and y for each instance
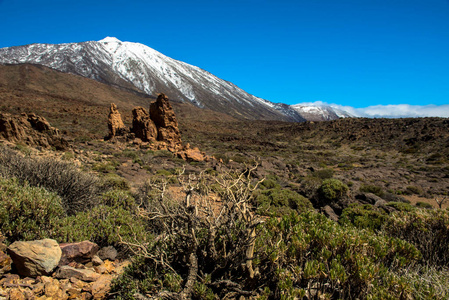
(137, 67)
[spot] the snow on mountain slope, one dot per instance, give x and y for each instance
(320, 112)
(132, 65)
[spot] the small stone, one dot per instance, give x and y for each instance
(51, 288)
(107, 253)
(16, 294)
(101, 287)
(97, 261)
(101, 269)
(66, 272)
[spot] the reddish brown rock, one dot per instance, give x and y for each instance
(143, 127)
(80, 252)
(163, 116)
(191, 154)
(115, 123)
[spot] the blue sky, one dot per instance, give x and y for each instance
(355, 53)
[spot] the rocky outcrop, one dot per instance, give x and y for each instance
(163, 115)
(157, 129)
(115, 123)
(35, 258)
(143, 127)
(32, 130)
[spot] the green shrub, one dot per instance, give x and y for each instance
(424, 205)
(332, 190)
(363, 216)
(300, 251)
(376, 190)
(119, 199)
(115, 181)
(324, 173)
(143, 276)
(27, 213)
(410, 190)
(280, 201)
(310, 185)
(401, 206)
(427, 229)
(103, 225)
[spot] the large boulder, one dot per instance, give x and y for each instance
(143, 127)
(115, 123)
(80, 252)
(35, 258)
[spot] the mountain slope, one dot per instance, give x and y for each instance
(136, 66)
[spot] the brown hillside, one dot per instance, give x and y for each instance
(76, 105)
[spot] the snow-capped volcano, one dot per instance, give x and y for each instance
(134, 65)
(139, 67)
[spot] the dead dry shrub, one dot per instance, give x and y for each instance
(200, 247)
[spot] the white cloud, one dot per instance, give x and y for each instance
(391, 111)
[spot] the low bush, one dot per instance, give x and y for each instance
(104, 225)
(363, 216)
(332, 190)
(427, 229)
(324, 173)
(119, 199)
(374, 189)
(305, 255)
(424, 205)
(411, 190)
(26, 212)
(78, 190)
(279, 201)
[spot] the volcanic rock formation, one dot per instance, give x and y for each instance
(157, 129)
(32, 130)
(115, 123)
(164, 118)
(143, 127)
